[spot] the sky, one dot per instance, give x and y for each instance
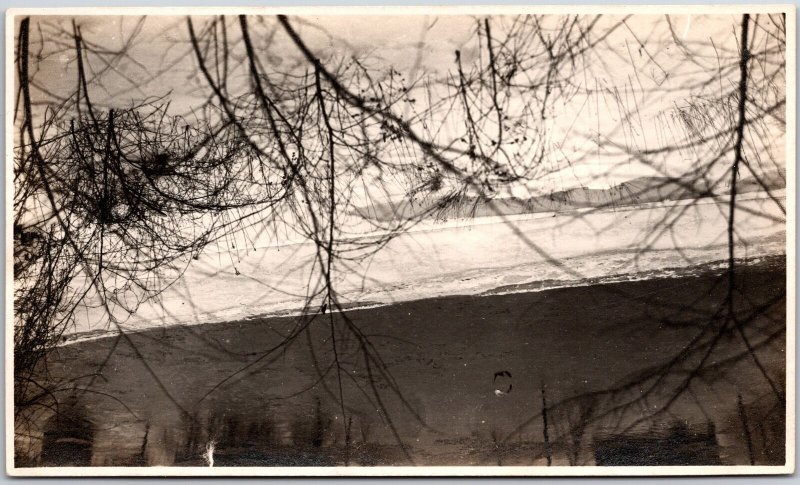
(643, 63)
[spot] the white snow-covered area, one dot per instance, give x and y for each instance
(465, 257)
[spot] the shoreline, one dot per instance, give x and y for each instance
(431, 225)
(711, 268)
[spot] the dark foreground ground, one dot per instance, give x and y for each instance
(645, 373)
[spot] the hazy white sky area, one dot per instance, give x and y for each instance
(625, 95)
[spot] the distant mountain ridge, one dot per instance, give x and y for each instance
(640, 190)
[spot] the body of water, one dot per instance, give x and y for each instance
(241, 278)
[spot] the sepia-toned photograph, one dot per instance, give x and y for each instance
(400, 241)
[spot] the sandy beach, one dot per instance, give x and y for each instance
(432, 376)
